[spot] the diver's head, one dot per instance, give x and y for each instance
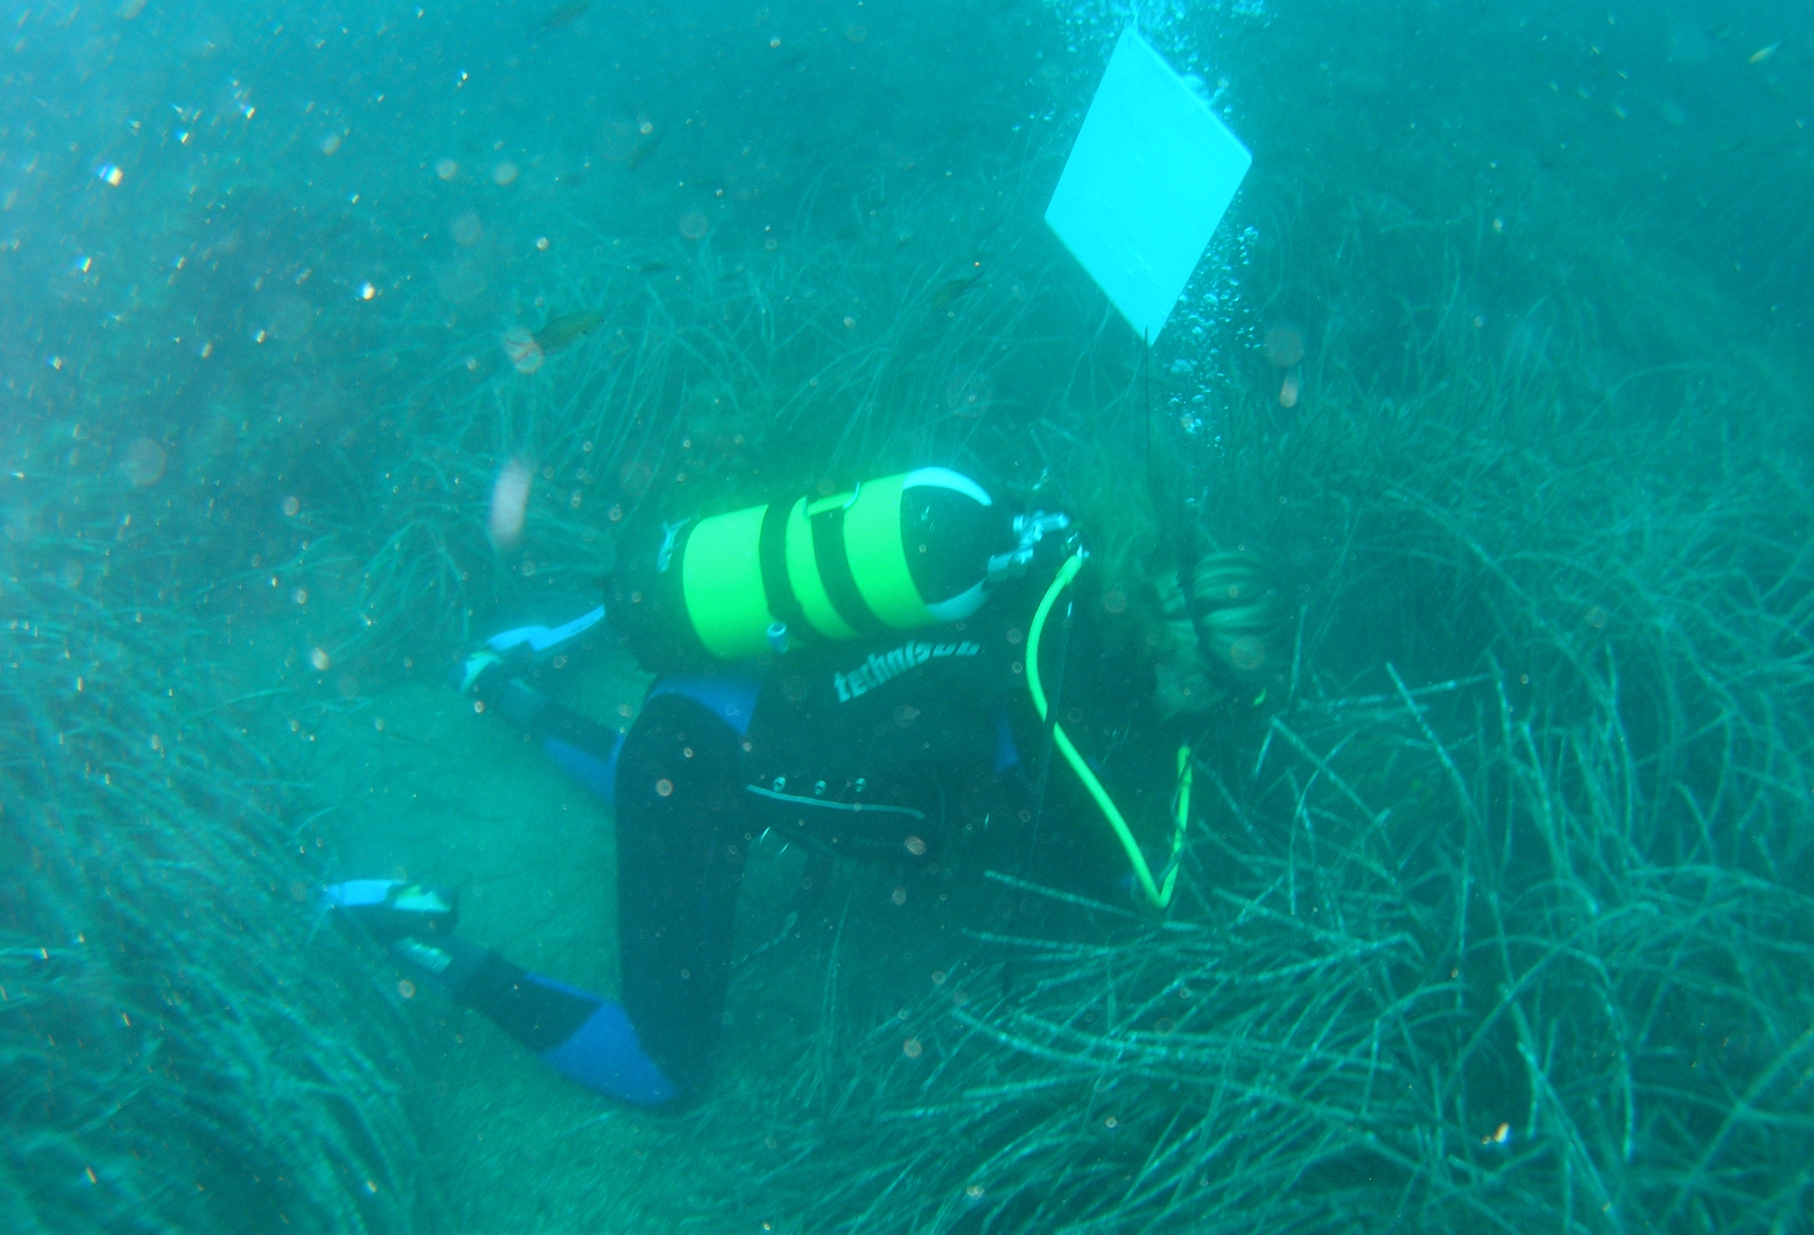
(1231, 628)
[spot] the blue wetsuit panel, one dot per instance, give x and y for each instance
(604, 1053)
(731, 700)
(1007, 755)
(596, 776)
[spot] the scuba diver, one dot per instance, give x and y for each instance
(845, 671)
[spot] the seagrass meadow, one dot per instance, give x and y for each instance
(1497, 914)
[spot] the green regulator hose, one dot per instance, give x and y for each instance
(1158, 894)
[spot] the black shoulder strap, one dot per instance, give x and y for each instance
(834, 573)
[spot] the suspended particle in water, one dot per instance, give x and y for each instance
(899, 896)
(446, 169)
(938, 977)
(664, 788)
(694, 225)
(856, 33)
(974, 1192)
(1288, 389)
(969, 393)
(1284, 346)
(407, 989)
(1247, 654)
(143, 464)
(300, 596)
(461, 282)
(912, 1048)
(367, 291)
(525, 353)
(509, 500)
(319, 658)
(915, 846)
(504, 173)
(465, 227)
(636, 478)
(291, 506)
(329, 143)
(615, 514)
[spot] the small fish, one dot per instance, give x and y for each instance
(948, 292)
(640, 152)
(563, 14)
(567, 329)
(1764, 53)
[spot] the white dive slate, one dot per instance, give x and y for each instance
(1150, 177)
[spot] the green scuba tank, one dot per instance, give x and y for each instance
(900, 552)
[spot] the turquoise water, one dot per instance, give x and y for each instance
(1495, 912)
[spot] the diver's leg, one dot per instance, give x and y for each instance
(682, 830)
(584, 1037)
(582, 748)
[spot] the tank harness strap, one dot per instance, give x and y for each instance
(834, 573)
(783, 604)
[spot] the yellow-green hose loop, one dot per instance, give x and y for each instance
(1182, 825)
(1142, 872)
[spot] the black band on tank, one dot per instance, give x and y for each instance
(834, 573)
(771, 551)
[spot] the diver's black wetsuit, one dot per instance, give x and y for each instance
(861, 748)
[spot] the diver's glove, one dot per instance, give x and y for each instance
(392, 909)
